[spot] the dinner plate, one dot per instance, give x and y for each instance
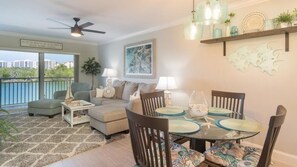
(253, 22)
(170, 110)
(240, 125)
(218, 111)
(182, 126)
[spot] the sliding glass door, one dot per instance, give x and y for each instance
(58, 73)
(29, 76)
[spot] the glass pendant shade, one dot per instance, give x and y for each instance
(193, 31)
(211, 12)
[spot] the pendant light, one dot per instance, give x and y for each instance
(211, 12)
(193, 30)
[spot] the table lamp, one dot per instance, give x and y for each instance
(109, 73)
(166, 84)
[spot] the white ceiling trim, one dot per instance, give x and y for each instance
(52, 39)
(233, 6)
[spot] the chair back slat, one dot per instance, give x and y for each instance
(148, 137)
(275, 124)
(152, 101)
(229, 100)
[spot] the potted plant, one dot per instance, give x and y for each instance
(294, 13)
(91, 66)
(228, 22)
(6, 128)
(284, 19)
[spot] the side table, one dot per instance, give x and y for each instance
(76, 106)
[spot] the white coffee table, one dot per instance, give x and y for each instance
(76, 106)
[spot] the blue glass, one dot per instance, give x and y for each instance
(234, 31)
(217, 33)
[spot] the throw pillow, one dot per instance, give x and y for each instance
(119, 87)
(108, 92)
(129, 89)
(147, 88)
(135, 95)
(99, 92)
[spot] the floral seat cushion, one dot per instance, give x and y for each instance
(183, 157)
(232, 154)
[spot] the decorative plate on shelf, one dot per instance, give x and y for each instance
(253, 22)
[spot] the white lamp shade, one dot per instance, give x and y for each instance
(166, 83)
(109, 72)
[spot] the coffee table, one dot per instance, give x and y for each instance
(76, 106)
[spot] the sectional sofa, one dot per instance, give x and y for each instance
(109, 115)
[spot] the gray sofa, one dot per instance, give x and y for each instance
(80, 91)
(109, 115)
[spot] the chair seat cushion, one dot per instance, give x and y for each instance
(232, 154)
(181, 156)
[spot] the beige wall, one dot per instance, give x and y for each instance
(12, 42)
(203, 67)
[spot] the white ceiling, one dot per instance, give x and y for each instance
(119, 18)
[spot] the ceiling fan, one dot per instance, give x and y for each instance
(76, 30)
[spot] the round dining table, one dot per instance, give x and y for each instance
(209, 130)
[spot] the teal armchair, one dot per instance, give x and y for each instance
(80, 91)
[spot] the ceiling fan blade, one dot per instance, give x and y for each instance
(58, 22)
(95, 31)
(87, 24)
(57, 28)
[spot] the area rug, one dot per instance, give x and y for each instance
(42, 141)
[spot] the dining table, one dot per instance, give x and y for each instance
(211, 127)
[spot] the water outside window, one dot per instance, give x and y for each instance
(19, 76)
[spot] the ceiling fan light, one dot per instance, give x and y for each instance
(76, 32)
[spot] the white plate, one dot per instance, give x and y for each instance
(218, 111)
(171, 110)
(182, 126)
(241, 125)
(253, 22)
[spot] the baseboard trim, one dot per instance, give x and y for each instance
(277, 155)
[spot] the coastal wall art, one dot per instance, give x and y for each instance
(263, 57)
(139, 59)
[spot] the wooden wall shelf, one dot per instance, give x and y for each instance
(258, 34)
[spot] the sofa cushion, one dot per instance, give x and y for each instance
(146, 88)
(129, 89)
(108, 113)
(119, 87)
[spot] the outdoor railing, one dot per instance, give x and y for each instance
(15, 91)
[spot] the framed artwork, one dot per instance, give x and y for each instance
(139, 59)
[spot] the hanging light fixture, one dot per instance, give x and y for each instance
(211, 12)
(193, 30)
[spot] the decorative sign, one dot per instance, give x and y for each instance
(262, 57)
(41, 44)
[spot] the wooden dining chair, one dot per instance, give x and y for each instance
(154, 149)
(150, 102)
(260, 158)
(229, 100)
